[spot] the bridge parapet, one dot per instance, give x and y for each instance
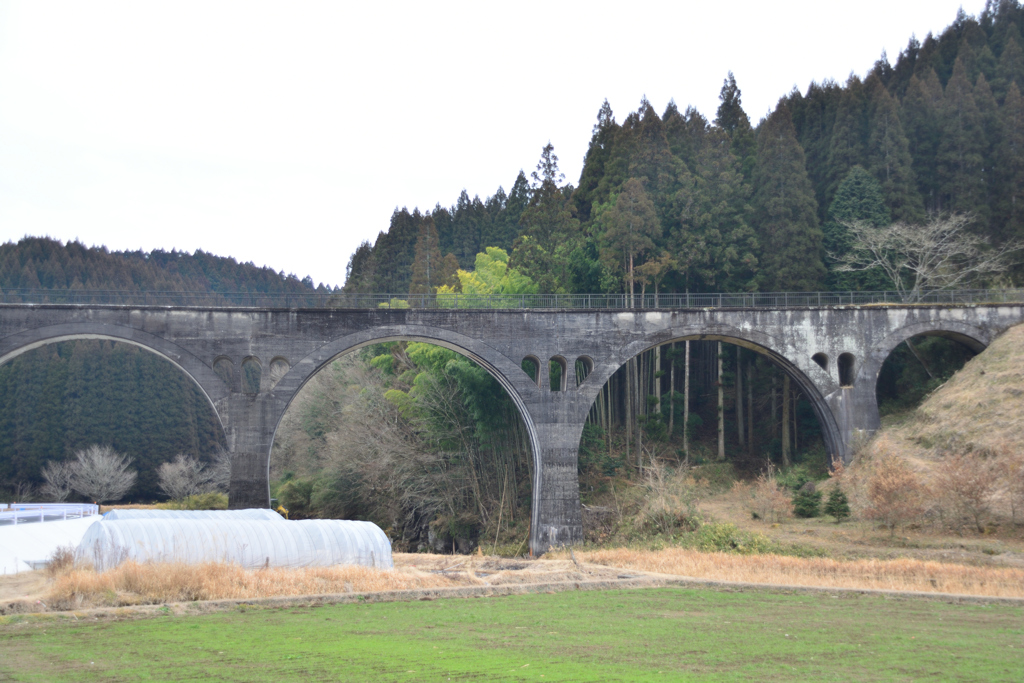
(457, 301)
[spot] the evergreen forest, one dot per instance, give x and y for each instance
(424, 442)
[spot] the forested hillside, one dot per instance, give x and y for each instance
(685, 202)
(63, 397)
(41, 262)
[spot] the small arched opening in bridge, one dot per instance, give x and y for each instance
(252, 375)
(651, 407)
(61, 393)
(822, 360)
(847, 369)
(531, 366)
(417, 434)
(279, 367)
(917, 364)
(225, 369)
(584, 366)
(558, 373)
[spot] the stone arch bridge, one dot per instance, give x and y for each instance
(251, 362)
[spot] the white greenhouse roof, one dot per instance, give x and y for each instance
(253, 513)
(247, 542)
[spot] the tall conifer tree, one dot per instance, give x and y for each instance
(858, 198)
(961, 161)
(1010, 167)
(849, 135)
(785, 212)
(731, 118)
(428, 268)
(715, 247)
(920, 118)
(888, 155)
(550, 231)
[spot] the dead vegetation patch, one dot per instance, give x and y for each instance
(133, 583)
(874, 574)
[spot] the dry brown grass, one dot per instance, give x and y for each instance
(899, 575)
(980, 409)
(132, 583)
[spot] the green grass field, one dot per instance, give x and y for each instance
(635, 635)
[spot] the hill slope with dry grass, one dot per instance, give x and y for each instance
(979, 410)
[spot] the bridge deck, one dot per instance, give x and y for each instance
(648, 301)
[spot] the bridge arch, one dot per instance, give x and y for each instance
(973, 337)
(752, 340)
(204, 377)
(508, 374)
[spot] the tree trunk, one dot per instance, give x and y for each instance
(657, 379)
(775, 431)
(919, 359)
(750, 408)
(631, 281)
(796, 423)
(785, 421)
(686, 404)
(721, 408)
(629, 407)
(608, 407)
(672, 392)
(739, 397)
(640, 400)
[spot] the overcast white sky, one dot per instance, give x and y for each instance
(286, 133)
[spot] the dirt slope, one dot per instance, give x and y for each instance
(980, 409)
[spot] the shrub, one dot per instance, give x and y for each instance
(770, 500)
(62, 560)
(296, 495)
(837, 505)
(726, 538)
(807, 503)
(895, 495)
(795, 477)
(672, 498)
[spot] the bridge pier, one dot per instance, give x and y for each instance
(856, 411)
(556, 517)
(250, 421)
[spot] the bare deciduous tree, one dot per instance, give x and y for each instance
(941, 254)
(58, 476)
(102, 474)
(183, 477)
(1011, 467)
(220, 470)
(18, 491)
(966, 485)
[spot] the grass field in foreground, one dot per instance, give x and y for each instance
(635, 635)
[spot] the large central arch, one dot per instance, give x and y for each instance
(510, 376)
(753, 340)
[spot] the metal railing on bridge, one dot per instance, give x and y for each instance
(20, 513)
(647, 301)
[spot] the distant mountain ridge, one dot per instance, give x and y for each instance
(47, 263)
